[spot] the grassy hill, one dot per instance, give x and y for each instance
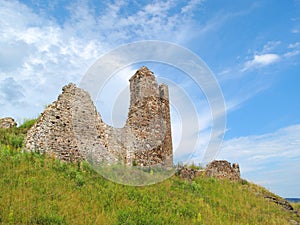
(36, 189)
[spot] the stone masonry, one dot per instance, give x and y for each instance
(71, 129)
(7, 122)
(222, 169)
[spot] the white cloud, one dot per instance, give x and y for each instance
(268, 159)
(41, 55)
(265, 59)
(261, 61)
(121, 22)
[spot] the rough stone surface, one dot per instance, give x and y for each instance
(280, 201)
(71, 129)
(188, 173)
(7, 122)
(222, 169)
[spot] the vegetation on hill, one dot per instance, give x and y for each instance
(37, 189)
(296, 206)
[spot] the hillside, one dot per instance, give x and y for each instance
(36, 189)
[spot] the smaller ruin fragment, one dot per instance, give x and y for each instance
(222, 169)
(7, 122)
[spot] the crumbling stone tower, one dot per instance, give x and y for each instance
(71, 129)
(149, 120)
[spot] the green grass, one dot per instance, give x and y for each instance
(296, 206)
(27, 123)
(36, 189)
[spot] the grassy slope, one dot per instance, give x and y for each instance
(296, 206)
(35, 189)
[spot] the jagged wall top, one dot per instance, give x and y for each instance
(142, 85)
(70, 127)
(143, 71)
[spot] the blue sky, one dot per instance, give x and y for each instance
(252, 47)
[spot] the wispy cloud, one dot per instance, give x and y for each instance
(270, 46)
(191, 6)
(293, 50)
(44, 54)
(294, 45)
(121, 22)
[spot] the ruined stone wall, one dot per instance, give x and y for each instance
(7, 122)
(222, 169)
(71, 129)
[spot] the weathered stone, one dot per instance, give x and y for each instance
(222, 169)
(189, 173)
(71, 129)
(280, 201)
(7, 122)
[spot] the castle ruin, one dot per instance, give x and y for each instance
(223, 169)
(71, 129)
(7, 122)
